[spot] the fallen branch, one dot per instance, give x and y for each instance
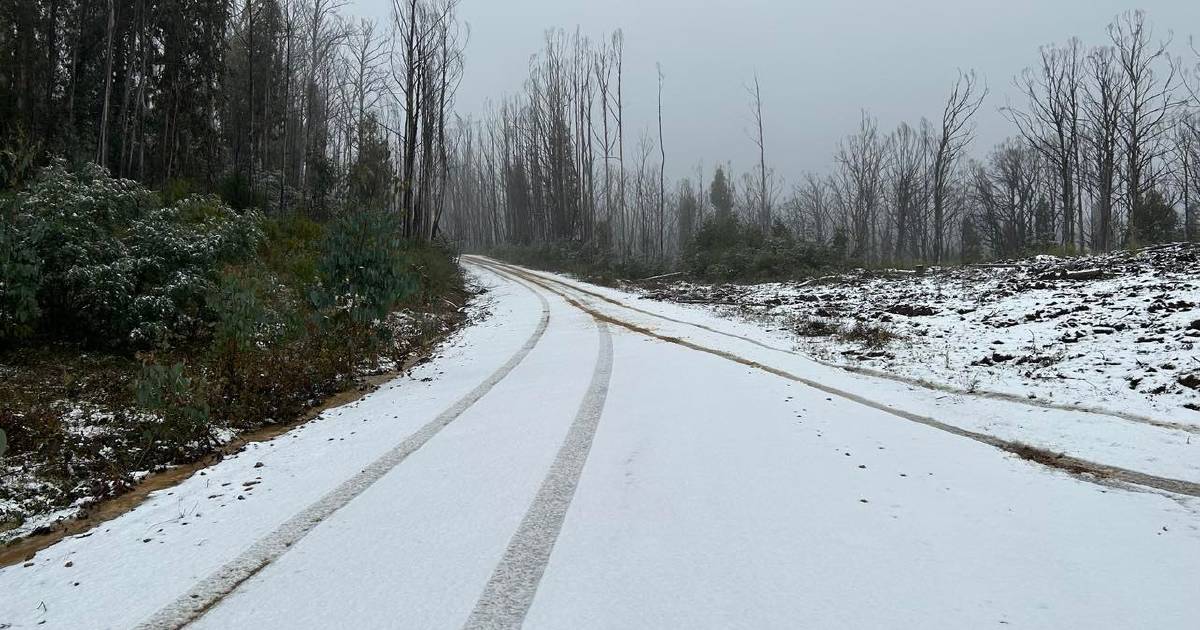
(1081, 274)
(662, 277)
(708, 302)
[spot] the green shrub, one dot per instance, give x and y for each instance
(364, 269)
(18, 160)
(292, 248)
(180, 403)
(436, 271)
(116, 269)
(242, 318)
(725, 250)
(590, 261)
(177, 189)
(1153, 220)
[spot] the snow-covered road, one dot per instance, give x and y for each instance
(584, 459)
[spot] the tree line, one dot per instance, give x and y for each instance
(291, 106)
(1104, 154)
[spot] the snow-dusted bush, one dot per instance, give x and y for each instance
(180, 403)
(725, 249)
(364, 269)
(116, 268)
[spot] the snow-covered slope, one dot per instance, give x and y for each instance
(1123, 336)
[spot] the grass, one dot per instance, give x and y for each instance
(870, 336)
(817, 327)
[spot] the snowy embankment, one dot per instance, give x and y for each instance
(1116, 332)
(39, 493)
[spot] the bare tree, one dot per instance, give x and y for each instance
(618, 52)
(662, 171)
(858, 186)
(1103, 100)
(904, 173)
(1149, 99)
(1005, 191)
(813, 197)
(955, 134)
(367, 55)
(763, 214)
(602, 67)
(1051, 124)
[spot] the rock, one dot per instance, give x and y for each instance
(912, 310)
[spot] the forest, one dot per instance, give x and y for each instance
(213, 217)
(1103, 155)
(295, 108)
(284, 106)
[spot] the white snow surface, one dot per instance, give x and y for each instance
(714, 495)
(1122, 342)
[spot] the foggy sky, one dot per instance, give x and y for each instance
(820, 63)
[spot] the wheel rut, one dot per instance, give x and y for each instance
(916, 382)
(1086, 470)
(210, 591)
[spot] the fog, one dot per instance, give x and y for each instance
(820, 63)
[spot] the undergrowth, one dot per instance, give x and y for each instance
(136, 335)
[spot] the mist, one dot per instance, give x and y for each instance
(820, 64)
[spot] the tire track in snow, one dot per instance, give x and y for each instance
(211, 590)
(1073, 465)
(509, 593)
(917, 382)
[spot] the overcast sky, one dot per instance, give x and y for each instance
(820, 62)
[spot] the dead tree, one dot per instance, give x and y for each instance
(904, 174)
(1051, 123)
(955, 134)
(859, 186)
(1102, 110)
(662, 172)
(1149, 100)
(763, 217)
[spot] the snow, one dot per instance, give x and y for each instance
(720, 499)
(1122, 343)
(714, 495)
(149, 556)
(1165, 451)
